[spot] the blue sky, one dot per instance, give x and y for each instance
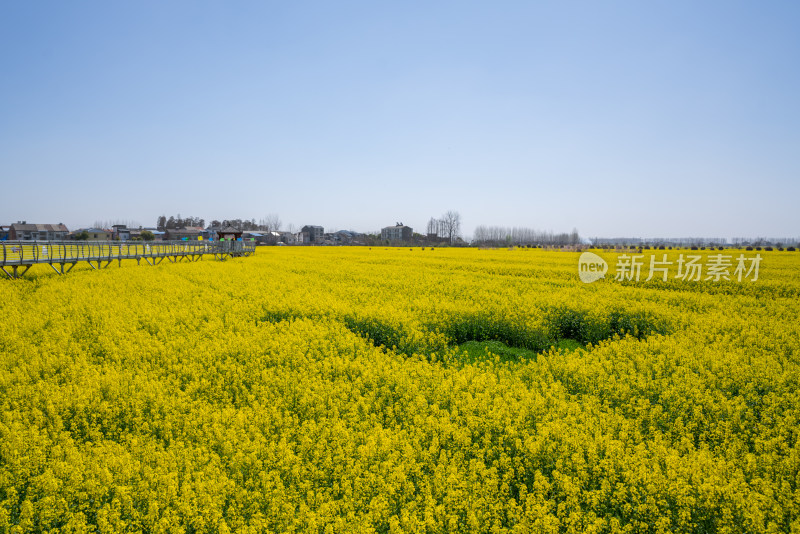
(618, 118)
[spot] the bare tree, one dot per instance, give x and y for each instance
(574, 237)
(433, 227)
(271, 223)
(450, 225)
(112, 222)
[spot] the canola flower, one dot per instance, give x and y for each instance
(323, 390)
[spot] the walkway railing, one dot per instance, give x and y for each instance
(20, 255)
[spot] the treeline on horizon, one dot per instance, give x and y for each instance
(506, 236)
(695, 241)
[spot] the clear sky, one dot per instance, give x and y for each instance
(662, 118)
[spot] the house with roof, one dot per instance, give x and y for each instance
(188, 233)
(398, 232)
(312, 235)
(120, 232)
(93, 234)
(344, 237)
(229, 233)
(22, 231)
(263, 238)
(136, 234)
(287, 238)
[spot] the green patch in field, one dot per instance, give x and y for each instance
(560, 323)
(569, 344)
(474, 351)
(585, 327)
(486, 326)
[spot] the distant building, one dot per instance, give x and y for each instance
(345, 237)
(398, 232)
(4, 232)
(136, 234)
(94, 234)
(287, 238)
(312, 235)
(259, 237)
(190, 233)
(22, 231)
(229, 233)
(263, 238)
(120, 232)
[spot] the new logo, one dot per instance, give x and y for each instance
(591, 267)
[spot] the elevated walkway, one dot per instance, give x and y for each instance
(16, 257)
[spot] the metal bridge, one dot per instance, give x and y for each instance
(62, 256)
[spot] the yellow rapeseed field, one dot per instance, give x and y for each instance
(399, 390)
